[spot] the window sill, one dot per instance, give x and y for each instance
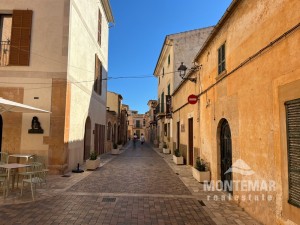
(221, 75)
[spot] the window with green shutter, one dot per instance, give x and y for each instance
(293, 147)
(221, 59)
(162, 106)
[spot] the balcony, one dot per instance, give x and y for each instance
(4, 53)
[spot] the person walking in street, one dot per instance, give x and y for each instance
(142, 139)
(135, 137)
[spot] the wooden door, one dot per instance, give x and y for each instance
(191, 142)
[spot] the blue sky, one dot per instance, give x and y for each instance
(136, 40)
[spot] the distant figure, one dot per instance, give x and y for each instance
(135, 137)
(142, 139)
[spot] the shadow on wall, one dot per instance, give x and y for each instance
(93, 127)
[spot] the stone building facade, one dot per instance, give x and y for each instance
(246, 123)
(116, 120)
(136, 124)
(57, 63)
(177, 48)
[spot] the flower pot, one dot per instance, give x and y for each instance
(178, 160)
(201, 176)
(120, 147)
(166, 151)
(115, 151)
(92, 164)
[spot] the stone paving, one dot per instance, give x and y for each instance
(139, 186)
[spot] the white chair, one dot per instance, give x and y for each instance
(36, 175)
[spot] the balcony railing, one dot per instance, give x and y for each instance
(4, 53)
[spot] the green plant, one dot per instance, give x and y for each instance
(165, 145)
(115, 146)
(200, 164)
(177, 153)
(93, 156)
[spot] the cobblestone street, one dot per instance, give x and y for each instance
(139, 186)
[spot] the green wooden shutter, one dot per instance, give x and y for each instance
(293, 146)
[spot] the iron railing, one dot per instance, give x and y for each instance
(4, 52)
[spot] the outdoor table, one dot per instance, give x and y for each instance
(10, 166)
(18, 156)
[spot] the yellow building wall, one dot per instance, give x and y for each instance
(250, 98)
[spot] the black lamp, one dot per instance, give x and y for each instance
(182, 70)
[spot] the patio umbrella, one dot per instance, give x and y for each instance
(11, 106)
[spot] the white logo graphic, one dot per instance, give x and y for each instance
(240, 167)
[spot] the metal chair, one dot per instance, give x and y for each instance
(36, 175)
(3, 157)
(3, 172)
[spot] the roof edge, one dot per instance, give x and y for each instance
(218, 26)
(108, 11)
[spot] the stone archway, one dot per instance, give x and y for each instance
(87, 138)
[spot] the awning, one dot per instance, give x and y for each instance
(11, 106)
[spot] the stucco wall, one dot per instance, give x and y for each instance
(84, 101)
(46, 50)
(250, 99)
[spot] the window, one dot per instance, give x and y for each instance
(98, 76)
(221, 59)
(163, 72)
(165, 129)
(137, 124)
(168, 89)
(20, 38)
(99, 27)
(162, 106)
(5, 37)
(293, 143)
(169, 60)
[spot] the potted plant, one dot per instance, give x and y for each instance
(200, 172)
(177, 157)
(115, 150)
(93, 162)
(165, 148)
(120, 144)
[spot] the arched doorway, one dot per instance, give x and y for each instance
(1, 127)
(226, 152)
(87, 138)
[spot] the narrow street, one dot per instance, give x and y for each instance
(139, 186)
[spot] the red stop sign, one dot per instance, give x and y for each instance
(192, 99)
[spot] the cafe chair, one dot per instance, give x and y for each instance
(3, 172)
(35, 175)
(3, 157)
(3, 183)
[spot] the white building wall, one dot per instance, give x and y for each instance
(83, 46)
